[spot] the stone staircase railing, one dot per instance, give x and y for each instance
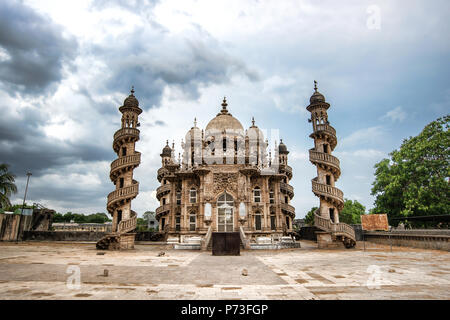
(205, 241)
(244, 240)
(336, 229)
(128, 225)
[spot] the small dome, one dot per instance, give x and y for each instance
(254, 132)
(131, 100)
(167, 151)
(317, 97)
(282, 149)
(224, 121)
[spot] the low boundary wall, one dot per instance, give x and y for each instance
(439, 239)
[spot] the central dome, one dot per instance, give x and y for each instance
(224, 121)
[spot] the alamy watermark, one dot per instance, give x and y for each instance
(74, 279)
(374, 19)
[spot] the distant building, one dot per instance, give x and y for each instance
(152, 222)
(92, 227)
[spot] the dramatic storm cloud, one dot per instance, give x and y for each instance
(66, 67)
(33, 49)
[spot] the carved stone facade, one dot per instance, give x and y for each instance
(225, 181)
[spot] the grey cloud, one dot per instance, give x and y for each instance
(151, 62)
(25, 147)
(135, 5)
(36, 48)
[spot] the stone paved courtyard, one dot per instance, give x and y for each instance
(39, 270)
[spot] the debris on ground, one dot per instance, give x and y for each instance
(100, 253)
(391, 270)
(161, 254)
(105, 272)
(244, 272)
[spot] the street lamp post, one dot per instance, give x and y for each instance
(26, 189)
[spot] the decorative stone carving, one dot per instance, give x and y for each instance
(225, 181)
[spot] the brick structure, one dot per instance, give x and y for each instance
(331, 198)
(121, 174)
(225, 181)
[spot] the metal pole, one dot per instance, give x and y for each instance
(26, 189)
(364, 240)
(390, 239)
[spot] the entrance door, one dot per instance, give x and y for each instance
(225, 213)
(225, 219)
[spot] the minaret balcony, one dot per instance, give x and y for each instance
(327, 132)
(124, 162)
(125, 134)
(161, 172)
(162, 191)
(325, 159)
(288, 209)
(287, 189)
(327, 191)
(164, 209)
(115, 197)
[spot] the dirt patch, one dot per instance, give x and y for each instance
(231, 288)
(18, 291)
(282, 274)
(42, 294)
(82, 295)
(301, 281)
(338, 277)
(151, 291)
(209, 285)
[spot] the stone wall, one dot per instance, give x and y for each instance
(12, 226)
(425, 239)
(85, 236)
(63, 235)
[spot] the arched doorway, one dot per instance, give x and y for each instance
(225, 211)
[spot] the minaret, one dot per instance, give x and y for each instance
(121, 174)
(328, 171)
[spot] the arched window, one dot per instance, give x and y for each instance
(225, 205)
(288, 223)
(273, 224)
(258, 221)
(178, 197)
(193, 195)
(271, 196)
(178, 222)
(257, 194)
(192, 221)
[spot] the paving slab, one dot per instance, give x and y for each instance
(49, 270)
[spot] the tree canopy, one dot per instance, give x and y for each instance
(7, 185)
(309, 218)
(99, 217)
(414, 181)
(352, 211)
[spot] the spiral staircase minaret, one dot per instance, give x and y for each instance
(121, 174)
(326, 218)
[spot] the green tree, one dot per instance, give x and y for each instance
(309, 218)
(414, 181)
(352, 211)
(7, 185)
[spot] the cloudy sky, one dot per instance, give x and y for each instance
(66, 67)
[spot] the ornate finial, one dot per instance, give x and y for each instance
(281, 141)
(132, 90)
(167, 142)
(315, 85)
(173, 145)
(224, 103)
(253, 121)
(195, 122)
